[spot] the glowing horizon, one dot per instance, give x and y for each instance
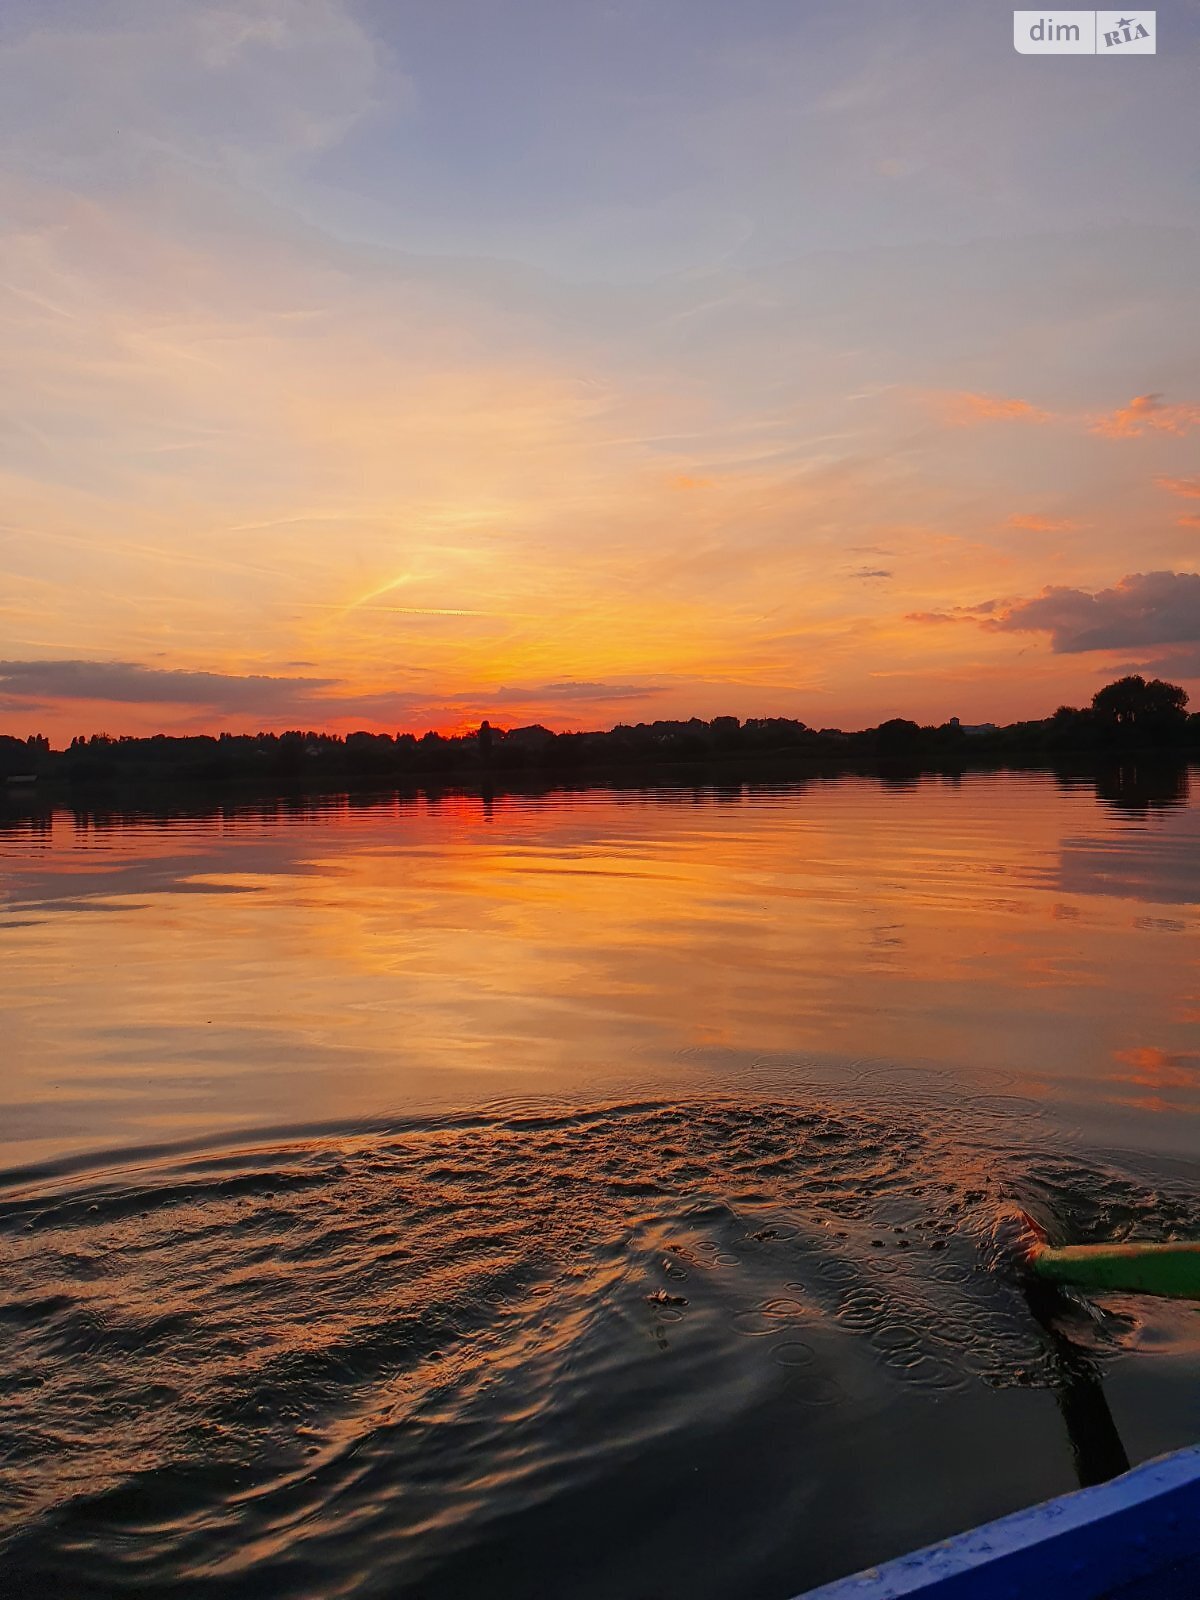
(370, 368)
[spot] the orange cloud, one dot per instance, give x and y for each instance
(1032, 523)
(963, 409)
(955, 614)
(1148, 413)
(1186, 489)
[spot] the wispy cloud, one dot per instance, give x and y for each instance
(267, 700)
(129, 683)
(1145, 414)
(964, 409)
(1187, 488)
(1029, 522)
(233, 88)
(516, 694)
(975, 613)
(1148, 413)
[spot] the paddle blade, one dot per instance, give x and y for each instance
(1171, 1270)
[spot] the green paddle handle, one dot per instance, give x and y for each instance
(1166, 1269)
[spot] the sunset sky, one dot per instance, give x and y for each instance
(397, 363)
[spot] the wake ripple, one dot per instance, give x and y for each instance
(371, 1363)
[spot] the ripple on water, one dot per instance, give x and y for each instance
(793, 1353)
(213, 1360)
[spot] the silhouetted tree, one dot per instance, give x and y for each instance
(1129, 723)
(898, 736)
(1130, 706)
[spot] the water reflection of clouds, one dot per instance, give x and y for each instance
(1172, 1078)
(1159, 865)
(118, 885)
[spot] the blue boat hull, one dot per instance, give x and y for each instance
(1136, 1537)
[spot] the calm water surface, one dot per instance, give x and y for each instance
(581, 1195)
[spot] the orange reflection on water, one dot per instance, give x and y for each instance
(1156, 1069)
(337, 959)
(1161, 1070)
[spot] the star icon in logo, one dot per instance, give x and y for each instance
(1124, 22)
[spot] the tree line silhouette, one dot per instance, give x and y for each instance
(1129, 715)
